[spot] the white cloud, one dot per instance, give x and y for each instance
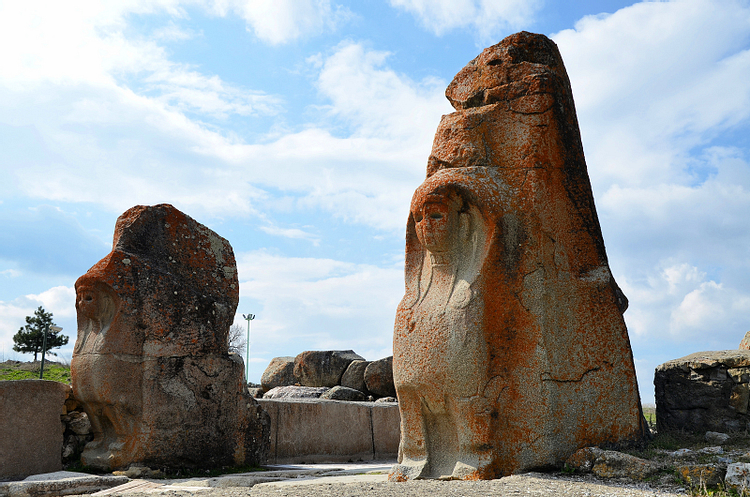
(113, 146)
(282, 21)
(87, 45)
(654, 80)
(319, 304)
(294, 233)
(656, 84)
(488, 17)
(376, 99)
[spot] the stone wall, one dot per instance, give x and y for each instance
(31, 436)
(704, 391)
(316, 431)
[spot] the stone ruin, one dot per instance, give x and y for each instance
(328, 374)
(704, 391)
(510, 348)
(151, 365)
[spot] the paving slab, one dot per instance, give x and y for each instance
(60, 483)
(70, 483)
(328, 480)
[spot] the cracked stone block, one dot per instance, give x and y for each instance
(738, 477)
(151, 365)
(693, 394)
(510, 348)
(279, 373)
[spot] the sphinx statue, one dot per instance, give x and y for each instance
(151, 365)
(510, 347)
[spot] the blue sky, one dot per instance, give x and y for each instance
(299, 129)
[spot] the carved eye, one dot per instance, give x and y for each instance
(436, 215)
(418, 218)
(88, 298)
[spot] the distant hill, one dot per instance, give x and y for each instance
(17, 370)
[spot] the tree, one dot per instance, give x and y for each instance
(30, 338)
(236, 339)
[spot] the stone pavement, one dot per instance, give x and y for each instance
(328, 480)
(70, 483)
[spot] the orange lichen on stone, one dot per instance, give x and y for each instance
(151, 364)
(510, 349)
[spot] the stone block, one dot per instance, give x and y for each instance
(343, 393)
(611, 464)
(704, 391)
(322, 368)
(295, 392)
(279, 373)
(379, 377)
(385, 430)
(31, 434)
(700, 475)
(60, 483)
(354, 376)
(738, 477)
(317, 431)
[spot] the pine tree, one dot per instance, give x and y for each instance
(30, 338)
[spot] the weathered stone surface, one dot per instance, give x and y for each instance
(256, 392)
(738, 477)
(323, 368)
(279, 373)
(611, 464)
(77, 431)
(60, 483)
(510, 348)
(354, 376)
(295, 392)
(31, 437)
(79, 423)
(151, 364)
(379, 377)
(705, 391)
(700, 475)
(714, 437)
(745, 342)
(343, 393)
(386, 400)
(313, 430)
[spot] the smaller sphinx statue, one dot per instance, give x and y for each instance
(151, 364)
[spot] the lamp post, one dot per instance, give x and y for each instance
(248, 318)
(54, 328)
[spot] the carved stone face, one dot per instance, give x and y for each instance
(436, 224)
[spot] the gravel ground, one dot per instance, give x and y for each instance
(532, 484)
(521, 485)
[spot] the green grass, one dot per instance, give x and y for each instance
(30, 371)
(650, 414)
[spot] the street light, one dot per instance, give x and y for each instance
(54, 328)
(248, 318)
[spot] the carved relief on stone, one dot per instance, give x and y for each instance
(151, 365)
(510, 349)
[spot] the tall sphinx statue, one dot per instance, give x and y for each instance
(510, 348)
